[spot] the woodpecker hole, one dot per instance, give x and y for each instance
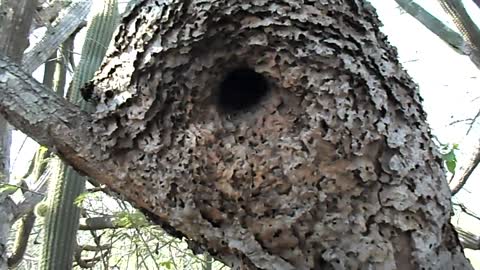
(241, 89)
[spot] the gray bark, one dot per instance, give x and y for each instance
(58, 33)
(15, 20)
(333, 167)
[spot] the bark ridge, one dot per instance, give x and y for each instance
(275, 134)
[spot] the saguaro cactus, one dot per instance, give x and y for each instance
(62, 219)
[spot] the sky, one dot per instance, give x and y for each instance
(448, 83)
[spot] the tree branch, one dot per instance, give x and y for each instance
(59, 125)
(31, 198)
(98, 223)
(477, 2)
(48, 118)
(468, 171)
(21, 239)
(468, 239)
(466, 26)
(26, 103)
(449, 36)
(61, 30)
(95, 248)
(15, 20)
(466, 211)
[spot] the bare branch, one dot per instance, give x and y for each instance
(21, 239)
(49, 119)
(61, 30)
(466, 211)
(98, 223)
(448, 35)
(32, 197)
(57, 124)
(468, 239)
(477, 2)
(15, 20)
(95, 248)
(85, 263)
(473, 122)
(468, 171)
(466, 26)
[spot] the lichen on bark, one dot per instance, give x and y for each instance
(326, 162)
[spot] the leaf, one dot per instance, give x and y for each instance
(129, 220)
(451, 165)
(8, 188)
(166, 264)
(121, 219)
(80, 198)
(450, 156)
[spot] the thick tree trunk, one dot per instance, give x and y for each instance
(274, 134)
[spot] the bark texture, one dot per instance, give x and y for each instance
(274, 134)
(15, 20)
(332, 168)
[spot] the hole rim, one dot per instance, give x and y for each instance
(231, 97)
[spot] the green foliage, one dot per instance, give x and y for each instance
(41, 209)
(8, 189)
(167, 264)
(130, 220)
(449, 156)
(82, 197)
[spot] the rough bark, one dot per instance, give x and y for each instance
(47, 11)
(274, 134)
(15, 20)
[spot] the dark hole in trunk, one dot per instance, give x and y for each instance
(241, 89)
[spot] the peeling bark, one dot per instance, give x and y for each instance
(274, 134)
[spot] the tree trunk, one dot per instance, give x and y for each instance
(273, 134)
(15, 20)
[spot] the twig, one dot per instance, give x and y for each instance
(466, 211)
(468, 171)
(473, 121)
